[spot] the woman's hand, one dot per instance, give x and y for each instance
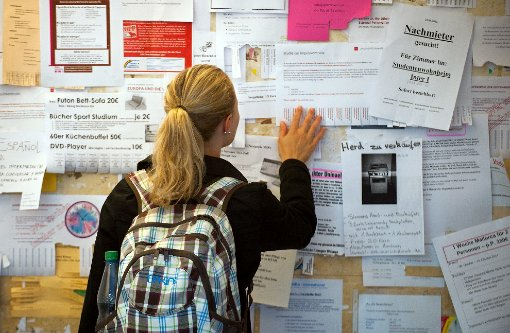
(299, 141)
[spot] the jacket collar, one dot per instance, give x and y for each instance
(215, 168)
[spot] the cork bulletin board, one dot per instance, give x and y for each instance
(28, 301)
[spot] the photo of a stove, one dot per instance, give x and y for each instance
(378, 177)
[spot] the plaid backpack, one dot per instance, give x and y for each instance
(177, 269)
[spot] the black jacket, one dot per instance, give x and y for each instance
(259, 220)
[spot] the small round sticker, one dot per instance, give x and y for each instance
(82, 219)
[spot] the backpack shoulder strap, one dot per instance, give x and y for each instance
(141, 186)
(218, 193)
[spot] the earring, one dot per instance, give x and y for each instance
(227, 132)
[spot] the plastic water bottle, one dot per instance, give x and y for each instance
(108, 286)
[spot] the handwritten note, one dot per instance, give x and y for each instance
(22, 165)
(383, 197)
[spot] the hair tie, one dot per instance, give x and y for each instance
(181, 107)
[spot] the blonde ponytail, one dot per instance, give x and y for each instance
(178, 159)
(196, 101)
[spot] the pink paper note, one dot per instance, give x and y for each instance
(312, 19)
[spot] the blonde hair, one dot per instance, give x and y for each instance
(196, 101)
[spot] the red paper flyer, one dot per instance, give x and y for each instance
(156, 46)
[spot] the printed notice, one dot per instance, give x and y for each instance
(420, 75)
(383, 213)
(455, 174)
(338, 83)
(258, 161)
(399, 313)
(500, 183)
(22, 103)
(20, 30)
(30, 236)
(95, 132)
(491, 41)
(327, 196)
(372, 28)
(315, 306)
(476, 266)
(204, 47)
(156, 46)
(81, 41)
(160, 10)
(144, 102)
(272, 281)
(256, 99)
(491, 95)
(236, 30)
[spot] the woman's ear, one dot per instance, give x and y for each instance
(227, 122)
